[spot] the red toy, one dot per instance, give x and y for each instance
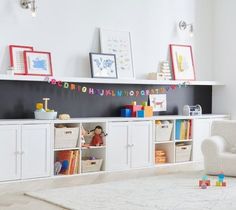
(97, 139)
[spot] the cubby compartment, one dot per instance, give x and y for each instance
(66, 136)
(183, 129)
(164, 153)
(183, 152)
(67, 162)
(93, 134)
(93, 160)
(163, 130)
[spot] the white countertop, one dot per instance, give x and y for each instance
(109, 119)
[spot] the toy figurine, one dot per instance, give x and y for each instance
(84, 133)
(97, 139)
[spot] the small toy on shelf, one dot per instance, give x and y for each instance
(134, 110)
(98, 134)
(83, 134)
(43, 113)
(64, 117)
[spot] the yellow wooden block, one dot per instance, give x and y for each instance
(218, 184)
(148, 111)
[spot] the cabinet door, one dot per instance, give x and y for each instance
(201, 130)
(9, 152)
(35, 151)
(140, 139)
(117, 146)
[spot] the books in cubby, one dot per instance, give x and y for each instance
(69, 160)
(183, 129)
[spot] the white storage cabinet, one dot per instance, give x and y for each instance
(129, 145)
(25, 151)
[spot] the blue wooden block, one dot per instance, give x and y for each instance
(125, 112)
(140, 113)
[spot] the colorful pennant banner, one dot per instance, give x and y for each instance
(112, 92)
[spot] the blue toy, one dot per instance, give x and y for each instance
(125, 112)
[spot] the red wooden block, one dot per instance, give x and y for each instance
(207, 182)
(134, 109)
(223, 184)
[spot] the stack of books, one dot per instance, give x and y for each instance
(160, 156)
(69, 160)
(183, 129)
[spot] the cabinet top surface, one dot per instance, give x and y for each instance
(108, 119)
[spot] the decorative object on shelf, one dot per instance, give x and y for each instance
(83, 134)
(165, 70)
(43, 113)
(57, 167)
(158, 102)
(98, 134)
(192, 110)
(103, 65)
(29, 4)
(182, 62)
(134, 110)
(64, 117)
(160, 157)
(87, 89)
(38, 63)
(119, 43)
(17, 58)
(183, 26)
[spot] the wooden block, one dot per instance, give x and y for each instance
(206, 182)
(148, 111)
(134, 109)
(218, 184)
(223, 184)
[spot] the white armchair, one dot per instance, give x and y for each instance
(219, 150)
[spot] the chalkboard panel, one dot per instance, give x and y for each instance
(18, 99)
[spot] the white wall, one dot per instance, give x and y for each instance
(69, 30)
(224, 100)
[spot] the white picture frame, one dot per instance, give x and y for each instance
(158, 102)
(119, 43)
(103, 65)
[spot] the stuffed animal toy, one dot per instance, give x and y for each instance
(83, 134)
(98, 134)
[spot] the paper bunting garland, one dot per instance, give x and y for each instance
(112, 92)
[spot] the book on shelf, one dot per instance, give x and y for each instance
(183, 129)
(69, 160)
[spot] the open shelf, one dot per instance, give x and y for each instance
(93, 147)
(106, 81)
(69, 148)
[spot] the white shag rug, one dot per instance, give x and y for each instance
(163, 192)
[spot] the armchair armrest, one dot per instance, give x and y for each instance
(213, 145)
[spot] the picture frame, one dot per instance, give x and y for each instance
(119, 43)
(103, 65)
(17, 58)
(38, 63)
(182, 62)
(158, 102)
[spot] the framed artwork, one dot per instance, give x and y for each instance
(38, 63)
(119, 43)
(158, 102)
(182, 62)
(17, 58)
(103, 65)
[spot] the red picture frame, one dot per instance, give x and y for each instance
(17, 58)
(38, 63)
(182, 62)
